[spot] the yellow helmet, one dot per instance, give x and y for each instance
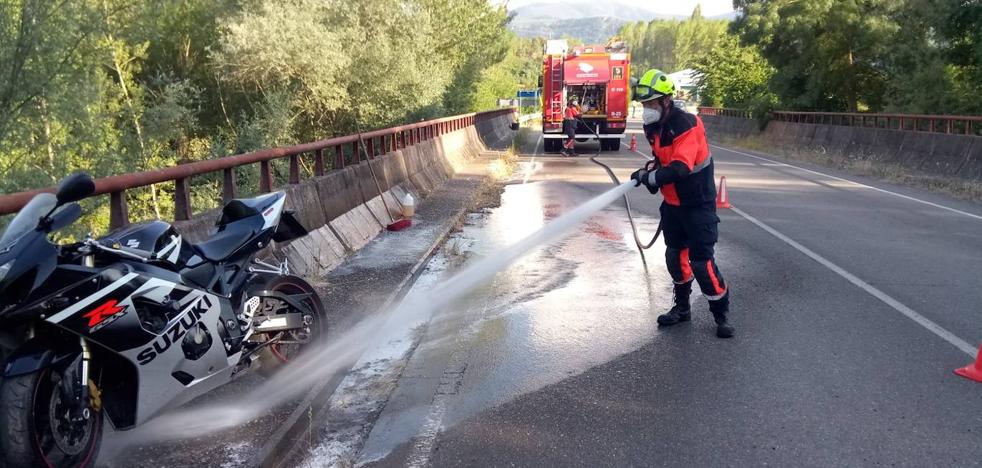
(652, 85)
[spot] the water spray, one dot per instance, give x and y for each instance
(320, 363)
(627, 203)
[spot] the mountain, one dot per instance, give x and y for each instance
(725, 16)
(596, 30)
(590, 22)
(568, 10)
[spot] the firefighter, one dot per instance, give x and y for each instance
(683, 171)
(569, 126)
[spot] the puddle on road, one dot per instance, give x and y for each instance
(557, 312)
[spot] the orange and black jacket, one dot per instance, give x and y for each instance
(685, 173)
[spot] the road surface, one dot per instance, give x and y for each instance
(853, 302)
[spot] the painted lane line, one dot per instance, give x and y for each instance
(873, 291)
(906, 197)
(648, 157)
(531, 167)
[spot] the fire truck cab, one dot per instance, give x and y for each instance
(595, 76)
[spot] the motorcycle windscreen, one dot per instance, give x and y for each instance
(586, 70)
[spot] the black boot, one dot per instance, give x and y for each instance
(680, 311)
(720, 308)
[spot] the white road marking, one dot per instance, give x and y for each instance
(873, 291)
(732, 163)
(531, 166)
(906, 197)
(648, 157)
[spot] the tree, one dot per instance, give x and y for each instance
(826, 53)
(731, 75)
(671, 45)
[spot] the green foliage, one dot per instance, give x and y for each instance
(115, 86)
(731, 75)
(671, 45)
(919, 56)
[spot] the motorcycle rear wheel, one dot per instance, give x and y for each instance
(273, 357)
(32, 431)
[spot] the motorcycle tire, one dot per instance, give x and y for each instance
(27, 435)
(275, 356)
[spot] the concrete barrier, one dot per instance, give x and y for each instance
(343, 209)
(939, 154)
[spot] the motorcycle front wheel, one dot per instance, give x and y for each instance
(38, 429)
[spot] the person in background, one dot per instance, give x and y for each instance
(570, 116)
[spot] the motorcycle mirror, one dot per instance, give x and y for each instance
(74, 188)
(65, 216)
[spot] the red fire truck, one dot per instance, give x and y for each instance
(596, 76)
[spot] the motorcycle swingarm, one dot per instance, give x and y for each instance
(280, 322)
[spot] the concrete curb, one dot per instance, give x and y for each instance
(282, 446)
(952, 156)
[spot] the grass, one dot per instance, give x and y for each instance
(862, 164)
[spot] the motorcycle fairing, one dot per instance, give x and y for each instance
(160, 357)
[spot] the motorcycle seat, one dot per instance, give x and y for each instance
(242, 208)
(224, 243)
(241, 220)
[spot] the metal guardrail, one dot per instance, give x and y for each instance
(957, 124)
(377, 142)
(951, 124)
(721, 112)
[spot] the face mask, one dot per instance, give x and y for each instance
(650, 116)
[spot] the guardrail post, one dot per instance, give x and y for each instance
(119, 215)
(182, 200)
(319, 162)
(294, 169)
(370, 148)
(932, 125)
(339, 157)
(947, 126)
(265, 177)
(228, 184)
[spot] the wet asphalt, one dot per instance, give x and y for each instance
(558, 360)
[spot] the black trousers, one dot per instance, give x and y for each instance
(690, 234)
(569, 128)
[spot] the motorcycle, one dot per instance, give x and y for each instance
(126, 326)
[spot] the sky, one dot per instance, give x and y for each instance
(672, 7)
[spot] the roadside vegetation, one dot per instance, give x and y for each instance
(116, 86)
(908, 56)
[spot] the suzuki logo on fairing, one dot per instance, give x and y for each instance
(105, 314)
(174, 333)
(133, 243)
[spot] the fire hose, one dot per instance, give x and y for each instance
(627, 203)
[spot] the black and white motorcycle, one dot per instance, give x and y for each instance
(137, 322)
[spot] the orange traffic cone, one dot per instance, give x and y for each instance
(722, 198)
(974, 370)
(634, 142)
